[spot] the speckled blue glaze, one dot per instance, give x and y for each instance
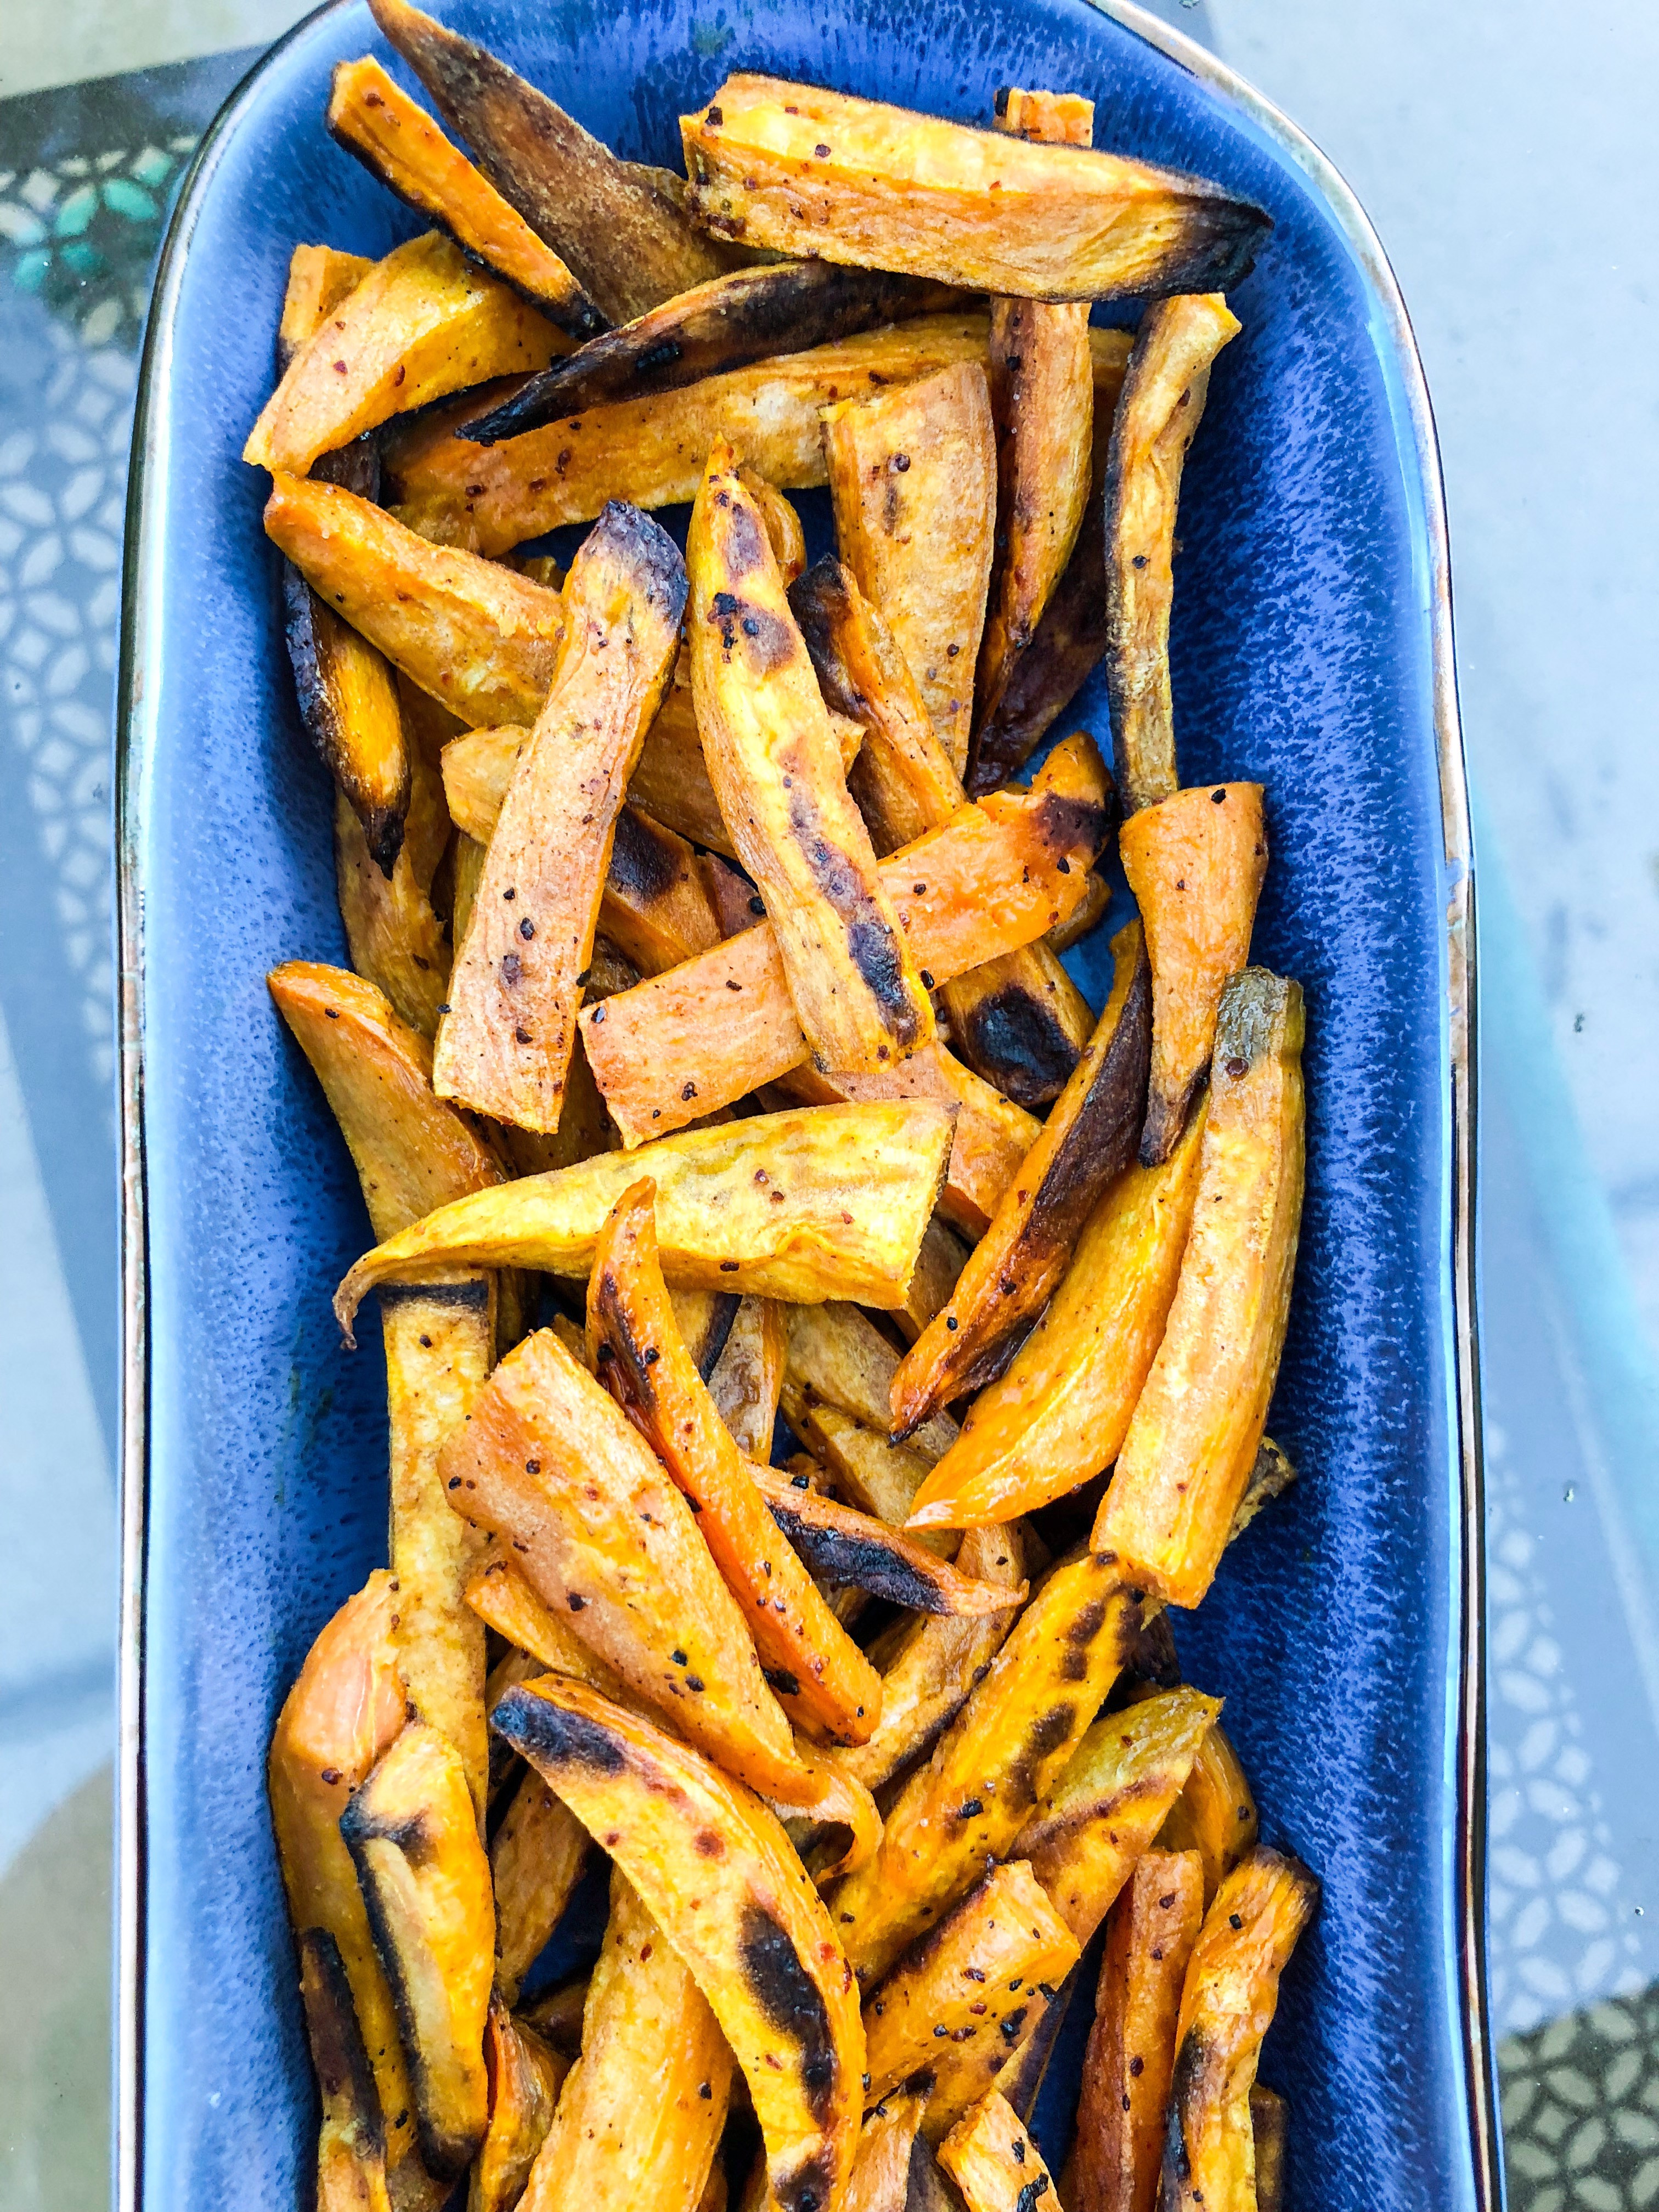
(1302, 656)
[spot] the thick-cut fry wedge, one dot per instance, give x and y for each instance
(777, 773)
(525, 2074)
(913, 475)
(1158, 414)
(991, 2157)
(652, 451)
(1068, 645)
(1043, 401)
(397, 141)
(1125, 2075)
(639, 2117)
(992, 879)
(413, 1836)
(938, 1269)
(1227, 2006)
(395, 936)
(1186, 1458)
(880, 2180)
(536, 1859)
(881, 1478)
(748, 1377)
(849, 1549)
(483, 643)
(1000, 1757)
(841, 1211)
(1112, 1801)
(973, 1977)
(1215, 1813)
(423, 322)
(1270, 2121)
(818, 1673)
(318, 278)
(504, 1601)
(1088, 1140)
(345, 1710)
(854, 180)
(505, 1043)
(718, 1875)
(1195, 864)
(551, 1463)
(351, 2145)
(1021, 1022)
(614, 222)
(1061, 1412)
(349, 704)
(837, 1354)
(747, 316)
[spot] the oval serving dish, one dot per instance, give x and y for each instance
(1311, 649)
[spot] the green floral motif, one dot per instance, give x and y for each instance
(81, 235)
(1580, 2109)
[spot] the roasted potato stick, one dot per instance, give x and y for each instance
(849, 1549)
(993, 879)
(1068, 645)
(720, 1877)
(1131, 2056)
(1158, 416)
(1227, 2006)
(397, 141)
(1087, 1141)
(412, 1833)
(938, 1269)
(655, 906)
(652, 451)
(421, 323)
(536, 1859)
(1043, 402)
(498, 1593)
(395, 936)
(837, 1354)
(1270, 2121)
(1186, 1458)
(1215, 1813)
(881, 1478)
(1021, 1023)
(776, 769)
(913, 479)
(1195, 864)
(351, 2146)
(482, 641)
(973, 1976)
(1061, 1411)
(318, 278)
(349, 705)
(991, 2157)
(1112, 1801)
(747, 1378)
(525, 2074)
(639, 2118)
(895, 190)
(615, 222)
(505, 1043)
(880, 2180)
(1001, 1758)
(841, 1213)
(726, 324)
(818, 1673)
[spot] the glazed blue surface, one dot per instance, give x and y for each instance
(1301, 655)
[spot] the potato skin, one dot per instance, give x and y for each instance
(349, 704)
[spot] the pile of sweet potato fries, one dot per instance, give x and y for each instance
(819, 1345)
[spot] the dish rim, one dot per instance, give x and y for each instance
(134, 734)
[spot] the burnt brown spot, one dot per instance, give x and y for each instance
(793, 2002)
(709, 1845)
(548, 1735)
(336, 2043)
(807, 2187)
(643, 864)
(1012, 1039)
(845, 1559)
(745, 541)
(873, 944)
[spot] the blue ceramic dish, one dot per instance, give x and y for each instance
(1311, 649)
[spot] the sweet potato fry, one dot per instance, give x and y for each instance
(1227, 2006)
(1215, 1813)
(396, 937)
(351, 2144)
(483, 643)
(1186, 1460)
(614, 222)
(536, 1859)
(777, 774)
(841, 1212)
(895, 190)
(499, 1594)
(670, 780)
(718, 1875)
(1061, 1412)
(938, 1270)
(639, 2117)
(318, 278)
(349, 705)
(880, 2180)
(1131, 2055)
(525, 2074)
(1270, 2121)
(971, 1976)
(881, 1478)
(505, 1043)
(413, 1836)
(1084, 919)
(398, 142)
(1271, 1476)
(1021, 1023)
(990, 2156)
(819, 1675)
(913, 478)
(1087, 1141)
(1000, 1757)
(509, 1670)
(1068, 645)
(421, 323)
(1195, 863)
(1043, 402)
(652, 451)
(848, 1549)
(837, 1354)
(723, 1023)
(747, 1378)
(725, 324)
(1112, 1801)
